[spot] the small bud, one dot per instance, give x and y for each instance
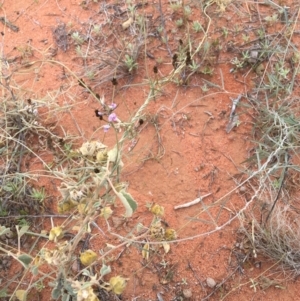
(114, 81)
(174, 61)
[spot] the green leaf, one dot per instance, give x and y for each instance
(4, 230)
(3, 293)
(7, 188)
(70, 290)
(128, 202)
(23, 230)
(105, 269)
(34, 270)
(132, 203)
(128, 209)
(25, 260)
(86, 273)
(55, 294)
(65, 297)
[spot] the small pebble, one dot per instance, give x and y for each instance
(187, 293)
(210, 282)
(243, 189)
(254, 54)
(258, 265)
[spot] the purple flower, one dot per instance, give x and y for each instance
(112, 106)
(112, 117)
(106, 127)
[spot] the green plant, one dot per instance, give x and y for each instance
(272, 19)
(207, 70)
(225, 32)
(245, 38)
(77, 38)
(281, 70)
(276, 85)
(197, 27)
(160, 29)
(39, 194)
(261, 33)
(237, 63)
(90, 75)
(179, 22)
(276, 184)
(40, 286)
(94, 201)
(204, 88)
(187, 11)
(79, 51)
(3, 212)
(159, 60)
(176, 5)
(236, 29)
(130, 63)
(245, 56)
(194, 66)
(164, 263)
(96, 29)
(23, 222)
(184, 281)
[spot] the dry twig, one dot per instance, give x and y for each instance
(194, 202)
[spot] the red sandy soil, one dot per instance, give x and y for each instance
(192, 156)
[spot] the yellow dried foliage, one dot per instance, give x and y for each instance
(117, 284)
(157, 231)
(170, 234)
(106, 212)
(89, 148)
(56, 233)
(86, 294)
(102, 157)
(65, 207)
(88, 257)
(145, 251)
(82, 208)
(222, 4)
(157, 210)
(21, 295)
